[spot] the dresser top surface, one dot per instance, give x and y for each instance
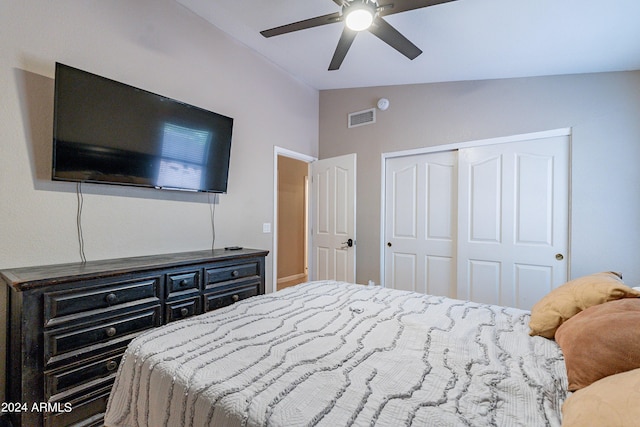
(24, 278)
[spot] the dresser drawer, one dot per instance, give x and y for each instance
(88, 374)
(181, 283)
(237, 271)
(58, 305)
(95, 336)
(182, 309)
(86, 411)
(228, 296)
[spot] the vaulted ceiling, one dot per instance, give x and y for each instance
(460, 40)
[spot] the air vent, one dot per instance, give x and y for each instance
(361, 118)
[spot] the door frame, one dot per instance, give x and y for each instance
(458, 146)
(279, 151)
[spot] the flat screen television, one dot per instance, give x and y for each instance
(109, 132)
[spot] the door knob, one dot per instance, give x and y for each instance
(111, 298)
(389, 244)
(559, 257)
(348, 243)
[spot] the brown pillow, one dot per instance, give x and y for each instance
(569, 299)
(600, 341)
(611, 401)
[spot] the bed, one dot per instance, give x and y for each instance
(336, 354)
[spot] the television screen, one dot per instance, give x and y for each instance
(109, 132)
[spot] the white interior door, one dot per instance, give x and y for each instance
(420, 194)
(513, 221)
(334, 219)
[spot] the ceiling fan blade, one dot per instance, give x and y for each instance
(385, 32)
(389, 7)
(303, 25)
(345, 42)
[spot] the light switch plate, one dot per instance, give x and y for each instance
(266, 227)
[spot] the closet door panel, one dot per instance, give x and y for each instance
(420, 204)
(513, 212)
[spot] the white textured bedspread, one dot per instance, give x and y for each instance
(338, 354)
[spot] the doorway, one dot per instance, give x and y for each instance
(328, 240)
(293, 221)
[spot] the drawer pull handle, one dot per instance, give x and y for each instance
(235, 273)
(184, 311)
(111, 298)
(111, 331)
(235, 298)
(112, 365)
(184, 282)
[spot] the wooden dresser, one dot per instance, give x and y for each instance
(69, 324)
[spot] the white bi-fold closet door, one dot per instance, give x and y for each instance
(487, 223)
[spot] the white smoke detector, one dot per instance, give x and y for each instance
(383, 104)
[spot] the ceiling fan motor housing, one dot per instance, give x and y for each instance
(359, 14)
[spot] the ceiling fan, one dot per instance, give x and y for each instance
(361, 15)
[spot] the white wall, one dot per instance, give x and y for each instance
(602, 110)
(162, 47)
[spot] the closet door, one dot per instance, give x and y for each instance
(420, 211)
(513, 221)
(487, 224)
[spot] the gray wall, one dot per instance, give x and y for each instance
(162, 47)
(159, 46)
(603, 111)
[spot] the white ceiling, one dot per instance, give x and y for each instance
(461, 40)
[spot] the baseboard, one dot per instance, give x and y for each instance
(291, 278)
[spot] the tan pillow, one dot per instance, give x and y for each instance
(611, 401)
(600, 341)
(569, 299)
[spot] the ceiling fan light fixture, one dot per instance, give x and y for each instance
(359, 15)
